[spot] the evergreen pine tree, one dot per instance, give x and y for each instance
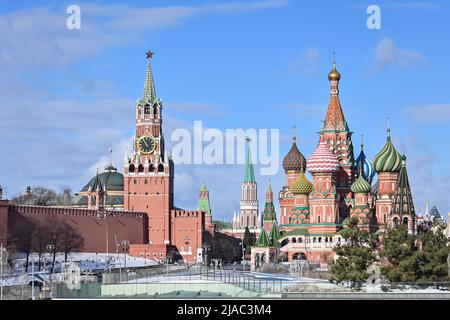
(354, 257)
(249, 240)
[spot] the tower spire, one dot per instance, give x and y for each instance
(389, 127)
(149, 85)
(249, 171)
(294, 138)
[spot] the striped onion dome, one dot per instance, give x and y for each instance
(388, 159)
(302, 185)
(322, 160)
(360, 185)
(294, 160)
(364, 166)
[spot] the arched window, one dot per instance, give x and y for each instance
(405, 220)
(140, 168)
(300, 240)
(131, 168)
(314, 240)
(160, 168)
(294, 240)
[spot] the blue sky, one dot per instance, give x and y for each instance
(66, 96)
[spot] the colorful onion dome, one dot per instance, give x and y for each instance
(334, 75)
(388, 159)
(302, 185)
(360, 185)
(322, 160)
(294, 159)
(364, 166)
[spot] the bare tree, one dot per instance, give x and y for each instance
(41, 196)
(71, 240)
(40, 240)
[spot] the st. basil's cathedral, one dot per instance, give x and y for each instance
(314, 215)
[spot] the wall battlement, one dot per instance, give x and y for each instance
(79, 212)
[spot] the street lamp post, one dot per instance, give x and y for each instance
(1, 271)
(186, 242)
(125, 244)
(243, 254)
(206, 248)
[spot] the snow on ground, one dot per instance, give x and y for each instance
(86, 260)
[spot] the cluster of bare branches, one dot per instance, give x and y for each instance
(50, 236)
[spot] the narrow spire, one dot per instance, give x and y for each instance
(334, 60)
(362, 142)
(149, 85)
(294, 138)
(249, 171)
(389, 127)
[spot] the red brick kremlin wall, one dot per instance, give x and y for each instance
(96, 227)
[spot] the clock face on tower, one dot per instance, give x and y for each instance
(146, 144)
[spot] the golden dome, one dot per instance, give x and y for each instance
(334, 75)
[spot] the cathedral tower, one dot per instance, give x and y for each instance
(387, 164)
(337, 135)
(294, 163)
(403, 206)
(270, 216)
(324, 167)
(148, 173)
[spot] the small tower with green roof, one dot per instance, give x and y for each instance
(249, 205)
(205, 206)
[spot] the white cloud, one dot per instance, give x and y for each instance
(39, 37)
(414, 5)
(432, 113)
(307, 63)
(387, 54)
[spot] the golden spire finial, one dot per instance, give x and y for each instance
(334, 75)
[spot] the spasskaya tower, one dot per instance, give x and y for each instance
(148, 172)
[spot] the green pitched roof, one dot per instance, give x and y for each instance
(203, 200)
(274, 233)
(149, 85)
(203, 187)
(249, 172)
(269, 212)
(263, 240)
(296, 232)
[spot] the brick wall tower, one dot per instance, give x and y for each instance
(205, 206)
(337, 135)
(148, 173)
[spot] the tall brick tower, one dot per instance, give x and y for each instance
(148, 173)
(337, 135)
(249, 205)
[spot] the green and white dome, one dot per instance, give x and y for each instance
(388, 159)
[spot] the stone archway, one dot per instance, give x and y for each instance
(299, 256)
